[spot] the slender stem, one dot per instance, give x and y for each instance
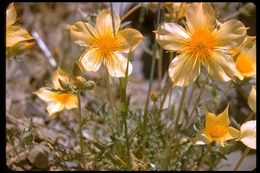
(193, 109)
(131, 11)
(80, 133)
(242, 158)
(150, 86)
(191, 95)
(112, 16)
(141, 19)
(180, 106)
(168, 87)
(160, 67)
(225, 93)
(252, 114)
(111, 102)
(124, 110)
(168, 149)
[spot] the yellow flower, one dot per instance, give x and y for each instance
(17, 38)
(246, 61)
(248, 134)
(57, 102)
(217, 128)
(247, 43)
(251, 100)
(204, 42)
(102, 46)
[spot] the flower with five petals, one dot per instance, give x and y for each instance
(105, 44)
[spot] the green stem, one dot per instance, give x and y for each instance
(130, 11)
(80, 133)
(160, 68)
(193, 109)
(141, 19)
(191, 95)
(168, 86)
(252, 114)
(112, 16)
(150, 86)
(168, 150)
(242, 158)
(111, 103)
(124, 110)
(180, 106)
(225, 93)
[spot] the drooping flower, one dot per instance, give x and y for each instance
(204, 43)
(58, 101)
(248, 134)
(17, 38)
(251, 100)
(217, 128)
(246, 60)
(105, 44)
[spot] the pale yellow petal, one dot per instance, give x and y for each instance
(57, 75)
(104, 23)
(248, 43)
(45, 95)
(17, 34)
(200, 15)
(116, 65)
(251, 100)
(231, 34)
(223, 117)
(132, 38)
(19, 47)
(55, 107)
(210, 121)
(82, 33)
(171, 36)
(10, 14)
(72, 102)
(220, 67)
(248, 134)
(246, 62)
(232, 134)
(184, 70)
(90, 60)
(202, 139)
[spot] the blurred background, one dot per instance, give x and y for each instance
(46, 22)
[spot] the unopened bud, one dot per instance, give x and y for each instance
(79, 82)
(90, 85)
(154, 96)
(80, 79)
(63, 84)
(250, 6)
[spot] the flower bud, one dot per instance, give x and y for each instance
(79, 82)
(90, 85)
(154, 96)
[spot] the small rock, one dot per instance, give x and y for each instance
(38, 156)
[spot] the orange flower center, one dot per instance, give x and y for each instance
(244, 64)
(105, 45)
(62, 98)
(201, 43)
(217, 131)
